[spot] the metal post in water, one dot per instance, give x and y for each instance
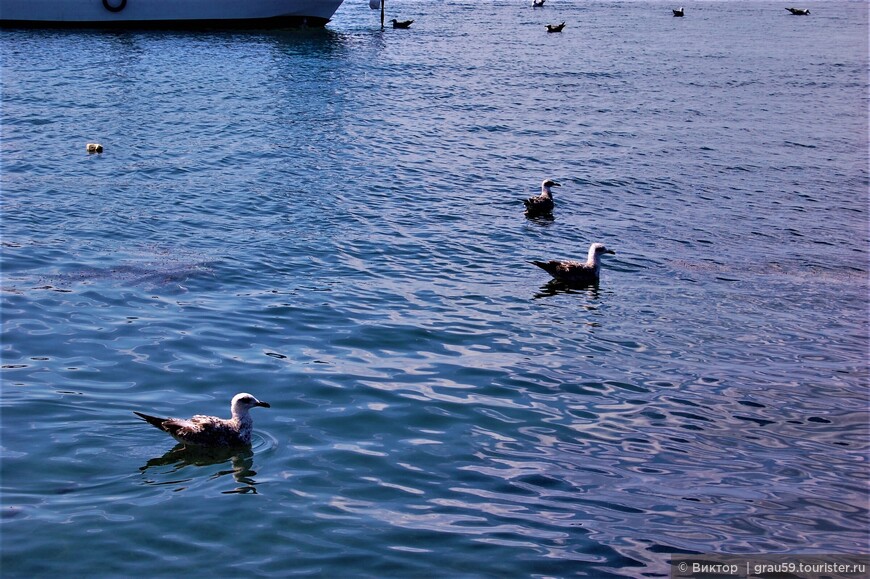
(382, 13)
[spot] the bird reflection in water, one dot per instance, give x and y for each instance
(555, 287)
(181, 456)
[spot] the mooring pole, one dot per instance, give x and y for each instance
(382, 13)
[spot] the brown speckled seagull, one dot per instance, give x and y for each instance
(210, 430)
(577, 272)
(542, 204)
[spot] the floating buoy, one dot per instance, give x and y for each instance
(95, 148)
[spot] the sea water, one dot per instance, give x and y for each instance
(331, 220)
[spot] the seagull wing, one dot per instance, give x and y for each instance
(539, 204)
(575, 269)
(200, 430)
(569, 271)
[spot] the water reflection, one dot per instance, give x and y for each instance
(181, 456)
(544, 220)
(555, 287)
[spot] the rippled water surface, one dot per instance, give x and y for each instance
(331, 220)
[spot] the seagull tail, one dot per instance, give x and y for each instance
(547, 266)
(152, 420)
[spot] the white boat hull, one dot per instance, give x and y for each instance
(166, 12)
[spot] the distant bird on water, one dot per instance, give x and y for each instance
(679, 12)
(555, 27)
(542, 204)
(211, 431)
(577, 272)
(537, 3)
(402, 23)
(798, 11)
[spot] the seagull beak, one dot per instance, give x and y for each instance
(610, 251)
(263, 404)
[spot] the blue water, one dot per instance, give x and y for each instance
(332, 220)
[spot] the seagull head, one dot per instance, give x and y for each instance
(596, 250)
(547, 183)
(243, 402)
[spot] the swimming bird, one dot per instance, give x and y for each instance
(94, 148)
(541, 204)
(555, 27)
(211, 430)
(402, 24)
(537, 3)
(577, 272)
(679, 12)
(798, 11)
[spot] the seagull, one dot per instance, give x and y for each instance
(210, 430)
(541, 204)
(798, 11)
(555, 27)
(402, 24)
(577, 272)
(678, 12)
(537, 3)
